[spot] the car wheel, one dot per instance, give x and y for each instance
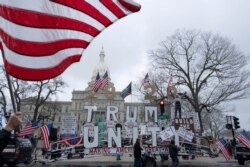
(149, 162)
(82, 155)
(241, 161)
(69, 156)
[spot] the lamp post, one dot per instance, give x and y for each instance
(229, 125)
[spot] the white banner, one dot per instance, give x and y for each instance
(185, 134)
(181, 132)
(166, 134)
(189, 136)
(69, 125)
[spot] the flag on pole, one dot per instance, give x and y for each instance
(29, 129)
(42, 38)
(244, 138)
(222, 145)
(144, 81)
(45, 132)
(105, 80)
(127, 91)
(98, 83)
(170, 82)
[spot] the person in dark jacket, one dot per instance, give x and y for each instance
(173, 152)
(5, 133)
(177, 106)
(137, 153)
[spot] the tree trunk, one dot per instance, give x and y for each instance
(200, 121)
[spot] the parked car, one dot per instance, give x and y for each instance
(242, 153)
(19, 150)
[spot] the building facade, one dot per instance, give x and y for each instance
(82, 98)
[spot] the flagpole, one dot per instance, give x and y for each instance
(9, 84)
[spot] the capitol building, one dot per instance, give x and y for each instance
(55, 111)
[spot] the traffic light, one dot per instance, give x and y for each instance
(236, 123)
(229, 126)
(162, 106)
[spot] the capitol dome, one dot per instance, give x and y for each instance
(101, 67)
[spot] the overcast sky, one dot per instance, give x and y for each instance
(127, 41)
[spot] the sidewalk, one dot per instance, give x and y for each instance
(128, 159)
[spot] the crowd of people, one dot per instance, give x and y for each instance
(173, 152)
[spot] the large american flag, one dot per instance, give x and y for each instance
(244, 138)
(222, 145)
(41, 38)
(45, 132)
(29, 129)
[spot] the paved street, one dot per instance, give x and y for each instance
(126, 161)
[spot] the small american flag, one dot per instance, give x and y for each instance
(244, 138)
(45, 132)
(170, 82)
(29, 129)
(105, 80)
(222, 145)
(98, 83)
(145, 80)
(41, 38)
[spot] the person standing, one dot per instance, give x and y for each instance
(137, 154)
(177, 106)
(173, 152)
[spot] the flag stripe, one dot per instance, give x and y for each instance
(45, 135)
(129, 5)
(40, 49)
(44, 62)
(39, 35)
(39, 20)
(97, 83)
(113, 8)
(85, 7)
(223, 149)
(29, 129)
(104, 80)
(28, 29)
(244, 140)
(38, 74)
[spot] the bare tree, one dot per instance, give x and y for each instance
(214, 123)
(43, 90)
(207, 66)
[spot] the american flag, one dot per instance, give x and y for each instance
(170, 82)
(98, 83)
(45, 132)
(145, 80)
(222, 145)
(127, 91)
(41, 38)
(105, 80)
(29, 129)
(244, 138)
